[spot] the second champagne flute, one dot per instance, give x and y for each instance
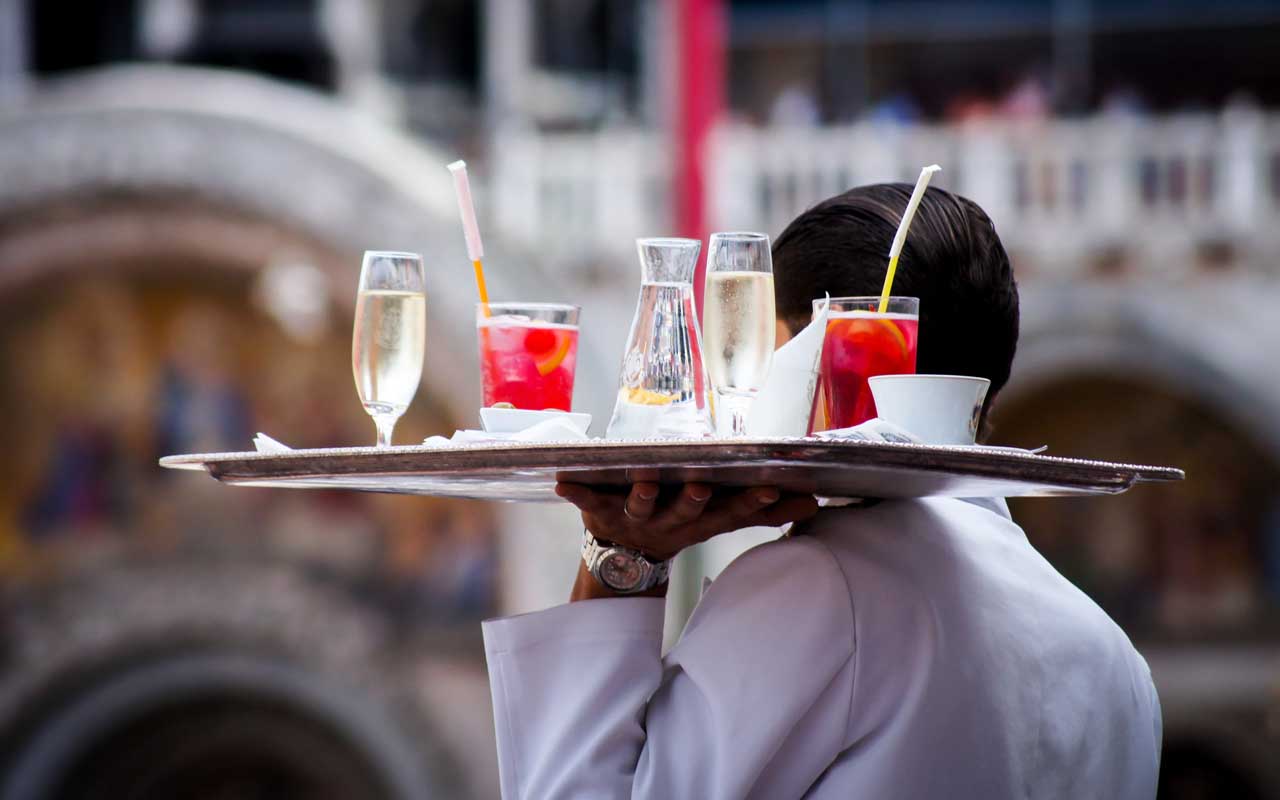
(389, 337)
(739, 326)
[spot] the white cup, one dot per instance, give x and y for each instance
(939, 409)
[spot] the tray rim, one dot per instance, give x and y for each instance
(668, 453)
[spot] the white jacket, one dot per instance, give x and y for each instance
(914, 649)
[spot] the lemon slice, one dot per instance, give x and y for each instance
(547, 364)
(647, 397)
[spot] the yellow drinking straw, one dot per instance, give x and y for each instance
(475, 250)
(900, 237)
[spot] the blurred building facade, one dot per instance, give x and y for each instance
(178, 247)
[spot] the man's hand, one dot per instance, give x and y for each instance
(661, 527)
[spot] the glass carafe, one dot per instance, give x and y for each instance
(663, 391)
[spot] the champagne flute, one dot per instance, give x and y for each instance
(389, 337)
(738, 329)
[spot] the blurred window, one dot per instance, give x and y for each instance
(433, 40)
(71, 34)
(281, 38)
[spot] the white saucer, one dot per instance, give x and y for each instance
(514, 420)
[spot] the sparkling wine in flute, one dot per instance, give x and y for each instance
(387, 351)
(738, 331)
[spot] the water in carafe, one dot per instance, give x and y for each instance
(663, 391)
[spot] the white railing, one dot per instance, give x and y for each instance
(1060, 192)
(578, 197)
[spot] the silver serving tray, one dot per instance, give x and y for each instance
(528, 472)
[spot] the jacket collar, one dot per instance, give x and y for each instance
(996, 505)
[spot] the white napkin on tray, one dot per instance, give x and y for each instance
(783, 405)
(265, 444)
(880, 430)
(549, 430)
(873, 430)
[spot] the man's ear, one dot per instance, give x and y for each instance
(985, 428)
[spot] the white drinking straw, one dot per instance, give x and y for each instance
(900, 238)
(475, 250)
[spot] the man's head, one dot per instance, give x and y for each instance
(953, 261)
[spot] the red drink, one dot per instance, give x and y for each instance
(527, 363)
(860, 344)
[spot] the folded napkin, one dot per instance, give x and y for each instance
(873, 430)
(783, 405)
(265, 444)
(879, 430)
(549, 430)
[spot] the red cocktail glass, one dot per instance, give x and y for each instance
(862, 342)
(528, 353)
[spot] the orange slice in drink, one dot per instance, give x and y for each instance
(547, 363)
(865, 332)
(896, 334)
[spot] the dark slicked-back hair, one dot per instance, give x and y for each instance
(953, 261)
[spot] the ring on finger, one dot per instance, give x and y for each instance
(626, 512)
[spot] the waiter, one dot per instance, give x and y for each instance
(910, 649)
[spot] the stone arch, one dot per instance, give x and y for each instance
(1211, 342)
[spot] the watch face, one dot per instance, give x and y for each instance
(621, 571)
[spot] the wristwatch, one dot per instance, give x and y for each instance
(622, 569)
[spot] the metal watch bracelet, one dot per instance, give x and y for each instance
(622, 569)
